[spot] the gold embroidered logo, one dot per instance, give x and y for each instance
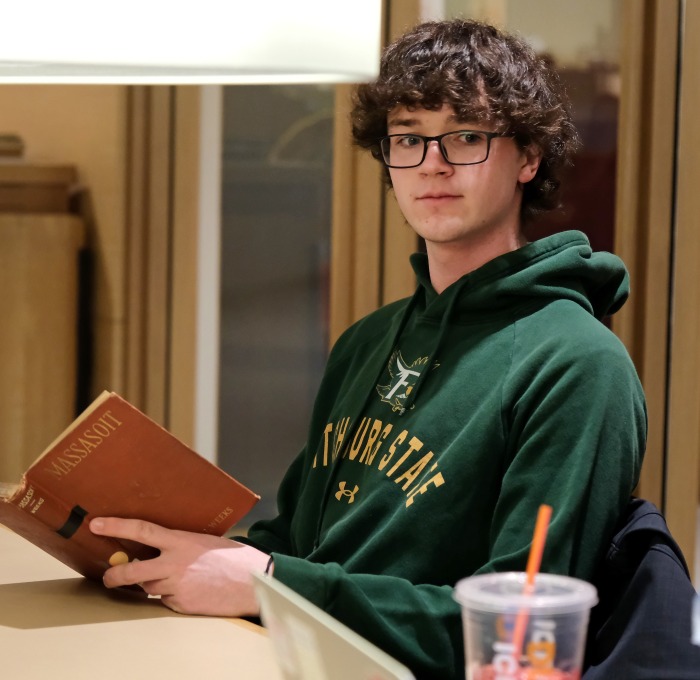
(342, 491)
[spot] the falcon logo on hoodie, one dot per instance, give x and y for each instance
(403, 377)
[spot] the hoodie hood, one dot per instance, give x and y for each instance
(557, 267)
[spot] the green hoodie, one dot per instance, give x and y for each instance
(441, 424)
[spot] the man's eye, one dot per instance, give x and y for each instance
(407, 141)
(468, 138)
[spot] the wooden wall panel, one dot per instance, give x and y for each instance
(148, 260)
(186, 229)
(356, 225)
(683, 463)
(644, 219)
(38, 347)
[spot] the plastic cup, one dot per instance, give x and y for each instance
(554, 618)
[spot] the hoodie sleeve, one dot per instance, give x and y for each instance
(419, 625)
(575, 422)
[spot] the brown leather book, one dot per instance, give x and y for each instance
(114, 461)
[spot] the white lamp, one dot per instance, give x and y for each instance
(205, 41)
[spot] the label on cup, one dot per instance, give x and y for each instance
(540, 652)
(542, 648)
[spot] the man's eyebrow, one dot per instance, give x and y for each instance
(413, 122)
(402, 122)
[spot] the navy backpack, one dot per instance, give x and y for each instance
(641, 628)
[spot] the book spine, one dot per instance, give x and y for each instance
(71, 523)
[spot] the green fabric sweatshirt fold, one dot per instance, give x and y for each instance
(441, 424)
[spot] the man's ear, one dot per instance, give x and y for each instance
(532, 155)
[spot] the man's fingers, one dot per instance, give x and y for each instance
(133, 530)
(135, 573)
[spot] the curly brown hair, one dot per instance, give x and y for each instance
(486, 75)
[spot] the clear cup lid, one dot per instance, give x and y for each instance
(503, 592)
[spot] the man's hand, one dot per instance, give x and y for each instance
(194, 573)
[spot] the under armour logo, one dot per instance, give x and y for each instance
(342, 491)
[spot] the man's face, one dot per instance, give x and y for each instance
(460, 206)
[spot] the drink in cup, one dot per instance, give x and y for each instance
(512, 634)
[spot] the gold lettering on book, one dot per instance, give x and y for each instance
(84, 443)
(220, 518)
(27, 497)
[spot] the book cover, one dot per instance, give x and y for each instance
(114, 461)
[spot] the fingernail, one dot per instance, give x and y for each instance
(97, 525)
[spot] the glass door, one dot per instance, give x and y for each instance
(275, 248)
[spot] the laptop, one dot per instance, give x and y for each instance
(311, 645)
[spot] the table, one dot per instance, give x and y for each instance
(56, 624)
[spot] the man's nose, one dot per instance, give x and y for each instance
(435, 160)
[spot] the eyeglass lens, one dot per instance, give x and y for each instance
(461, 147)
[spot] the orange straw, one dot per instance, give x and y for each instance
(534, 561)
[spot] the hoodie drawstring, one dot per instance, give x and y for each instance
(442, 332)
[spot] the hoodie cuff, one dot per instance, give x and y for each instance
(306, 578)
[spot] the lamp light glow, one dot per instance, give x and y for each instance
(211, 41)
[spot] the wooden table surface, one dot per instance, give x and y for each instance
(56, 624)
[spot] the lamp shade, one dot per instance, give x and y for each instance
(205, 41)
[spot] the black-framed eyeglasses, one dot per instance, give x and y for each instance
(460, 147)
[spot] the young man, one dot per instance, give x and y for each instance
(445, 420)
